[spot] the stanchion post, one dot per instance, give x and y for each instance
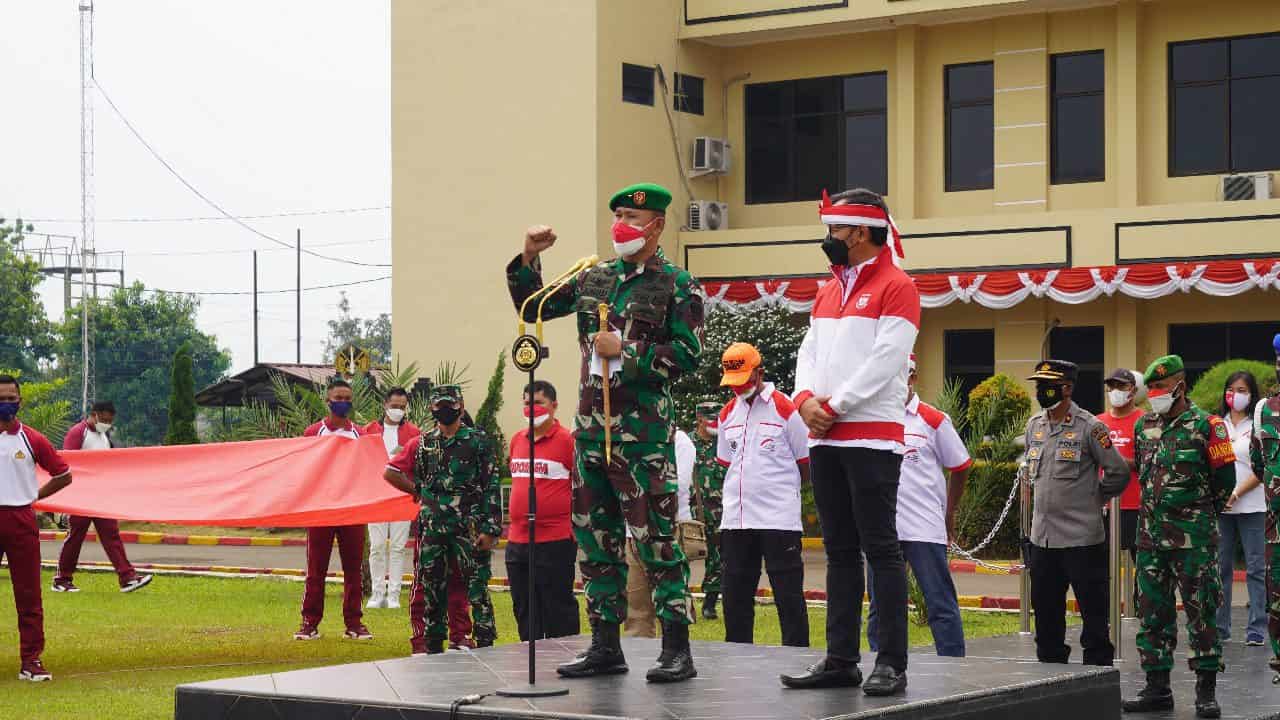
(1024, 578)
(1128, 576)
(1117, 578)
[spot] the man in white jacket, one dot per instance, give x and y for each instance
(851, 385)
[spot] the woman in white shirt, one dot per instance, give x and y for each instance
(1246, 513)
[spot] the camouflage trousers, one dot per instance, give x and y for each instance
(710, 513)
(635, 494)
(435, 549)
(1192, 573)
(1273, 602)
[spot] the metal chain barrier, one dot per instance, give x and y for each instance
(1004, 514)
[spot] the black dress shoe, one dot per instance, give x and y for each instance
(884, 681)
(824, 674)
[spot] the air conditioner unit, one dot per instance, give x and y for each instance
(710, 155)
(1246, 187)
(708, 215)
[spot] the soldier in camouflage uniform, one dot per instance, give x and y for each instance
(450, 471)
(708, 500)
(655, 322)
(1264, 456)
(1186, 468)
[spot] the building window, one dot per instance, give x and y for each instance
(1224, 96)
(806, 136)
(1202, 346)
(969, 357)
(970, 132)
(689, 94)
(1084, 347)
(637, 84)
(1079, 122)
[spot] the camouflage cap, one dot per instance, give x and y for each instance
(708, 410)
(445, 393)
(1162, 368)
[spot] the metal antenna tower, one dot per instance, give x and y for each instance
(88, 257)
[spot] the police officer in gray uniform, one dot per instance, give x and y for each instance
(1066, 447)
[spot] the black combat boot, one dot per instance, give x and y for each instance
(676, 661)
(604, 657)
(1206, 694)
(709, 606)
(1155, 696)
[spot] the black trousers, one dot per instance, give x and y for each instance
(555, 603)
(856, 490)
(1085, 570)
(742, 551)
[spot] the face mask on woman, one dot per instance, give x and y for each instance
(1236, 400)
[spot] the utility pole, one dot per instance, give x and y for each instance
(298, 294)
(255, 308)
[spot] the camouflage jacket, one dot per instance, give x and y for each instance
(457, 482)
(708, 475)
(1186, 469)
(658, 309)
(1264, 456)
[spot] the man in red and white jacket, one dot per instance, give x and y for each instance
(21, 450)
(94, 433)
(765, 448)
(851, 385)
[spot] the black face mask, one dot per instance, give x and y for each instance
(1048, 395)
(835, 249)
(446, 415)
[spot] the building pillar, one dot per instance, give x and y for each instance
(1021, 114)
(1126, 333)
(1126, 106)
(904, 178)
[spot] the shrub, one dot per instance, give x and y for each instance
(997, 405)
(984, 496)
(1207, 393)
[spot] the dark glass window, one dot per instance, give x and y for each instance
(969, 356)
(689, 94)
(1223, 98)
(637, 84)
(1078, 122)
(804, 136)
(970, 132)
(1204, 345)
(1084, 347)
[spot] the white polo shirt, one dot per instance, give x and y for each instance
(20, 451)
(760, 443)
(932, 445)
(686, 458)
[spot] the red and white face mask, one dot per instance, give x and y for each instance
(540, 414)
(1237, 401)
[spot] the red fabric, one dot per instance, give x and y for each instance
(1121, 431)
(351, 554)
(405, 432)
(865, 431)
(292, 482)
(931, 415)
(881, 289)
(108, 534)
(20, 543)
(1220, 450)
(783, 405)
(553, 454)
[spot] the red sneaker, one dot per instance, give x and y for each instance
(358, 632)
(33, 671)
(307, 632)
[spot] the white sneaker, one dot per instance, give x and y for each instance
(393, 601)
(139, 582)
(377, 600)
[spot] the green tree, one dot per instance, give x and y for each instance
(136, 333)
(487, 416)
(182, 401)
(26, 335)
(42, 406)
(372, 335)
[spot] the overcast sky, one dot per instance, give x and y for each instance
(265, 106)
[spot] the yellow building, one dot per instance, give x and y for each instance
(1059, 168)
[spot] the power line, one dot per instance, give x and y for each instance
(212, 218)
(208, 201)
(268, 292)
(247, 250)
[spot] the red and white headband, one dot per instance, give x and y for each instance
(866, 215)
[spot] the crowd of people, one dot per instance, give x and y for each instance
(626, 493)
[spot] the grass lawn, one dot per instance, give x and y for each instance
(120, 656)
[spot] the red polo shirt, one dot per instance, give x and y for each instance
(553, 455)
(1121, 431)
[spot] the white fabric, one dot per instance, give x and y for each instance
(615, 364)
(94, 440)
(349, 432)
(851, 276)
(391, 438)
(761, 443)
(922, 486)
(686, 458)
(18, 484)
(1255, 500)
(387, 543)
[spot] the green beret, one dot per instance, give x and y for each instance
(445, 393)
(1162, 368)
(708, 409)
(642, 196)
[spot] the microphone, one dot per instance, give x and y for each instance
(548, 289)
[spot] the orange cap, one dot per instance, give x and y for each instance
(738, 362)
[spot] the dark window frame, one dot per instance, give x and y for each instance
(680, 101)
(841, 113)
(1226, 82)
(1054, 179)
(972, 371)
(652, 73)
(946, 129)
(1196, 367)
(1090, 373)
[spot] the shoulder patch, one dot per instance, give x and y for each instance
(1102, 435)
(932, 416)
(1219, 428)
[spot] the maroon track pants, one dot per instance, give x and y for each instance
(108, 535)
(20, 543)
(351, 553)
(459, 609)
